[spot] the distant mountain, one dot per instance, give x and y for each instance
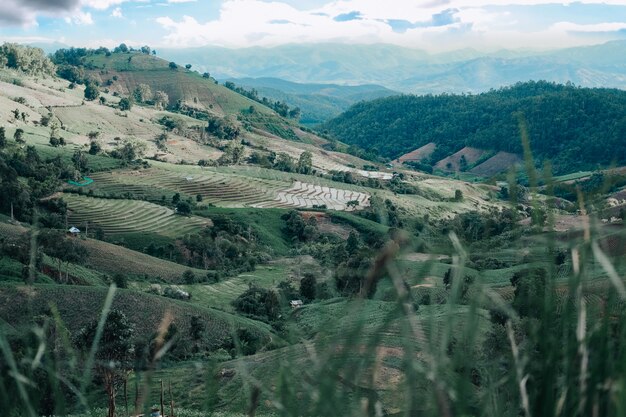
(576, 128)
(410, 70)
(318, 102)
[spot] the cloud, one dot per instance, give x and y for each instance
(80, 18)
(346, 17)
(432, 25)
(24, 12)
(181, 1)
(117, 12)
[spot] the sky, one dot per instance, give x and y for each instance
(433, 25)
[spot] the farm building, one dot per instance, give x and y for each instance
(74, 231)
(296, 303)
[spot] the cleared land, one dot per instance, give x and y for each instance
(419, 154)
(500, 162)
(453, 162)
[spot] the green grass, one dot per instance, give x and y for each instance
(221, 294)
(266, 224)
(573, 176)
(78, 305)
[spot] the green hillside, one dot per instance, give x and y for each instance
(318, 102)
(575, 128)
(77, 306)
(132, 69)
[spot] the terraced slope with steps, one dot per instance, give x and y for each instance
(117, 217)
(226, 189)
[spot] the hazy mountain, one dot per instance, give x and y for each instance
(318, 102)
(410, 70)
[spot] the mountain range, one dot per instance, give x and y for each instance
(411, 70)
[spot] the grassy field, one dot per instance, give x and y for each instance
(221, 294)
(77, 305)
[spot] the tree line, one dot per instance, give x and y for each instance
(576, 128)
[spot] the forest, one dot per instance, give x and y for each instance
(575, 128)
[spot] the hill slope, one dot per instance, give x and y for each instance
(574, 127)
(318, 102)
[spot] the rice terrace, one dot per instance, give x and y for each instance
(312, 208)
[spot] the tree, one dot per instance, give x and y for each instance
(19, 135)
(305, 163)
(121, 48)
(91, 92)
(173, 65)
(284, 162)
(80, 161)
(142, 93)
(183, 208)
(206, 75)
(258, 302)
(188, 67)
(145, 50)
(56, 244)
(350, 276)
(189, 277)
(129, 150)
(161, 99)
(353, 244)
(458, 195)
(3, 137)
(199, 198)
(175, 198)
(115, 354)
(120, 280)
(94, 147)
(308, 286)
(125, 104)
(233, 154)
(463, 163)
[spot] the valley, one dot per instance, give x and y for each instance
(169, 243)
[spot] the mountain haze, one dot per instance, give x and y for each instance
(410, 70)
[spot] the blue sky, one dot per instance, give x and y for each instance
(435, 25)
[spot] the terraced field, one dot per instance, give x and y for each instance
(117, 217)
(226, 189)
(309, 195)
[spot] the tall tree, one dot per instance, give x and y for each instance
(114, 357)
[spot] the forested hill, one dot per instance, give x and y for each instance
(576, 128)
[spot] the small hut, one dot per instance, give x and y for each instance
(74, 231)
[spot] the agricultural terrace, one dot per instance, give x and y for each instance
(119, 217)
(228, 189)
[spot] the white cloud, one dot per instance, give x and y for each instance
(468, 23)
(80, 18)
(101, 4)
(181, 1)
(117, 12)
